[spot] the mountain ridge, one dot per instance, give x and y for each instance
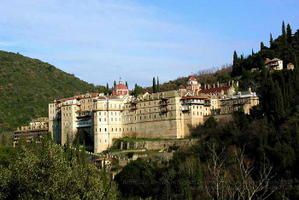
(27, 85)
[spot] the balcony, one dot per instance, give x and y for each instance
(185, 108)
(83, 123)
(133, 106)
(163, 110)
(164, 102)
(84, 114)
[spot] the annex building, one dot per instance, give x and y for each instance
(169, 114)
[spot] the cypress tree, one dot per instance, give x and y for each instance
(235, 58)
(278, 102)
(271, 40)
(262, 46)
(107, 88)
(289, 33)
(127, 84)
(158, 84)
(114, 84)
(252, 52)
(283, 30)
(154, 85)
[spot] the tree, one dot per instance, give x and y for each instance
(47, 171)
(127, 84)
(289, 34)
(232, 178)
(237, 68)
(262, 46)
(235, 58)
(154, 87)
(137, 179)
(158, 84)
(107, 88)
(283, 30)
(271, 41)
(114, 84)
(137, 90)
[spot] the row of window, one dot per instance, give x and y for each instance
(114, 129)
(111, 119)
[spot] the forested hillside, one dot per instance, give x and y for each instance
(255, 156)
(27, 85)
(284, 47)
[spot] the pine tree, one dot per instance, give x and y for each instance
(154, 85)
(289, 33)
(158, 84)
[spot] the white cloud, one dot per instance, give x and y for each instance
(100, 40)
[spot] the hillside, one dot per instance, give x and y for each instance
(27, 85)
(285, 47)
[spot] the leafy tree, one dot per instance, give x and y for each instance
(47, 171)
(138, 178)
(137, 90)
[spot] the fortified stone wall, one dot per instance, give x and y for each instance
(153, 144)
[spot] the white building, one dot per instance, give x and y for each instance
(274, 64)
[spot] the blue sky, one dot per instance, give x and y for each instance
(102, 40)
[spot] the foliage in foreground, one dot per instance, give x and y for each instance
(47, 171)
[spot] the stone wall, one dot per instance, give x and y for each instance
(153, 144)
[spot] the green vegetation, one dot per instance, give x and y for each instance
(209, 76)
(48, 171)
(284, 47)
(28, 85)
(253, 157)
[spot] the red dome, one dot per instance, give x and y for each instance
(121, 86)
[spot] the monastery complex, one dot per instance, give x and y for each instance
(169, 114)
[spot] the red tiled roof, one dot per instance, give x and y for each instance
(215, 90)
(192, 78)
(194, 97)
(121, 86)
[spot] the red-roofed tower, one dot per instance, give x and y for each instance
(120, 89)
